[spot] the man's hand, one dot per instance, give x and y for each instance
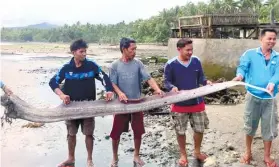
(7, 90)
(65, 98)
(152, 83)
(270, 88)
(109, 96)
(159, 92)
(209, 82)
(175, 89)
(122, 97)
(238, 78)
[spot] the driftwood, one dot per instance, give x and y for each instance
(18, 109)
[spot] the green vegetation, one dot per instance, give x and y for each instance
(154, 29)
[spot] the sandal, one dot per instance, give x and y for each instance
(114, 164)
(90, 163)
(200, 157)
(246, 159)
(182, 163)
(139, 163)
(67, 164)
(271, 164)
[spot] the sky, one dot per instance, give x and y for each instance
(26, 12)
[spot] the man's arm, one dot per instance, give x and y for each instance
(146, 77)
(54, 84)
(243, 67)
(103, 77)
(1, 84)
(57, 79)
(274, 80)
(202, 79)
(153, 84)
(116, 89)
(168, 81)
(7, 90)
(113, 78)
(120, 94)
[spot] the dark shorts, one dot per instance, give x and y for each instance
(87, 126)
(121, 124)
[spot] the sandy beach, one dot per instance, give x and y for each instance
(27, 72)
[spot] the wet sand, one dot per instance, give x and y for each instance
(46, 146)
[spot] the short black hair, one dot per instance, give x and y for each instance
(78, 44)
(181, 43)
(268, 30)
(125, 43)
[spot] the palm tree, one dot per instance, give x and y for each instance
(229, 6)
(252, 5)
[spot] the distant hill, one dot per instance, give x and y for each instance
(44, 25)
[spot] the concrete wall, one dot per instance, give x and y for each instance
(220, 51)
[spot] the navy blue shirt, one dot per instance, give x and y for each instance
(80, 81)
(184, 77)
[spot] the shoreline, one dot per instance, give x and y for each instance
(93, 49)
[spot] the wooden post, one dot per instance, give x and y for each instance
(180, 31)
(202, 35)
(257, 32)
(209, 26)
(201, 25)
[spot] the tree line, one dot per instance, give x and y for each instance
(155, 29)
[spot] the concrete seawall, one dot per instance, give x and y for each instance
(220, 51)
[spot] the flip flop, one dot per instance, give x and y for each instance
(114, 164)
(139, 163)
(201, 157)
(271, 164)
(90, 164)
(67, 164)
(246, 159)
(182, 163)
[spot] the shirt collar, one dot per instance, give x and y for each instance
(73, 64)
(273, 52)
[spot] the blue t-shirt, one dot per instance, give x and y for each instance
(184, 77)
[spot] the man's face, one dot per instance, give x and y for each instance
(130, 52)
(186, 52)
(80, 54)
(268, 40)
